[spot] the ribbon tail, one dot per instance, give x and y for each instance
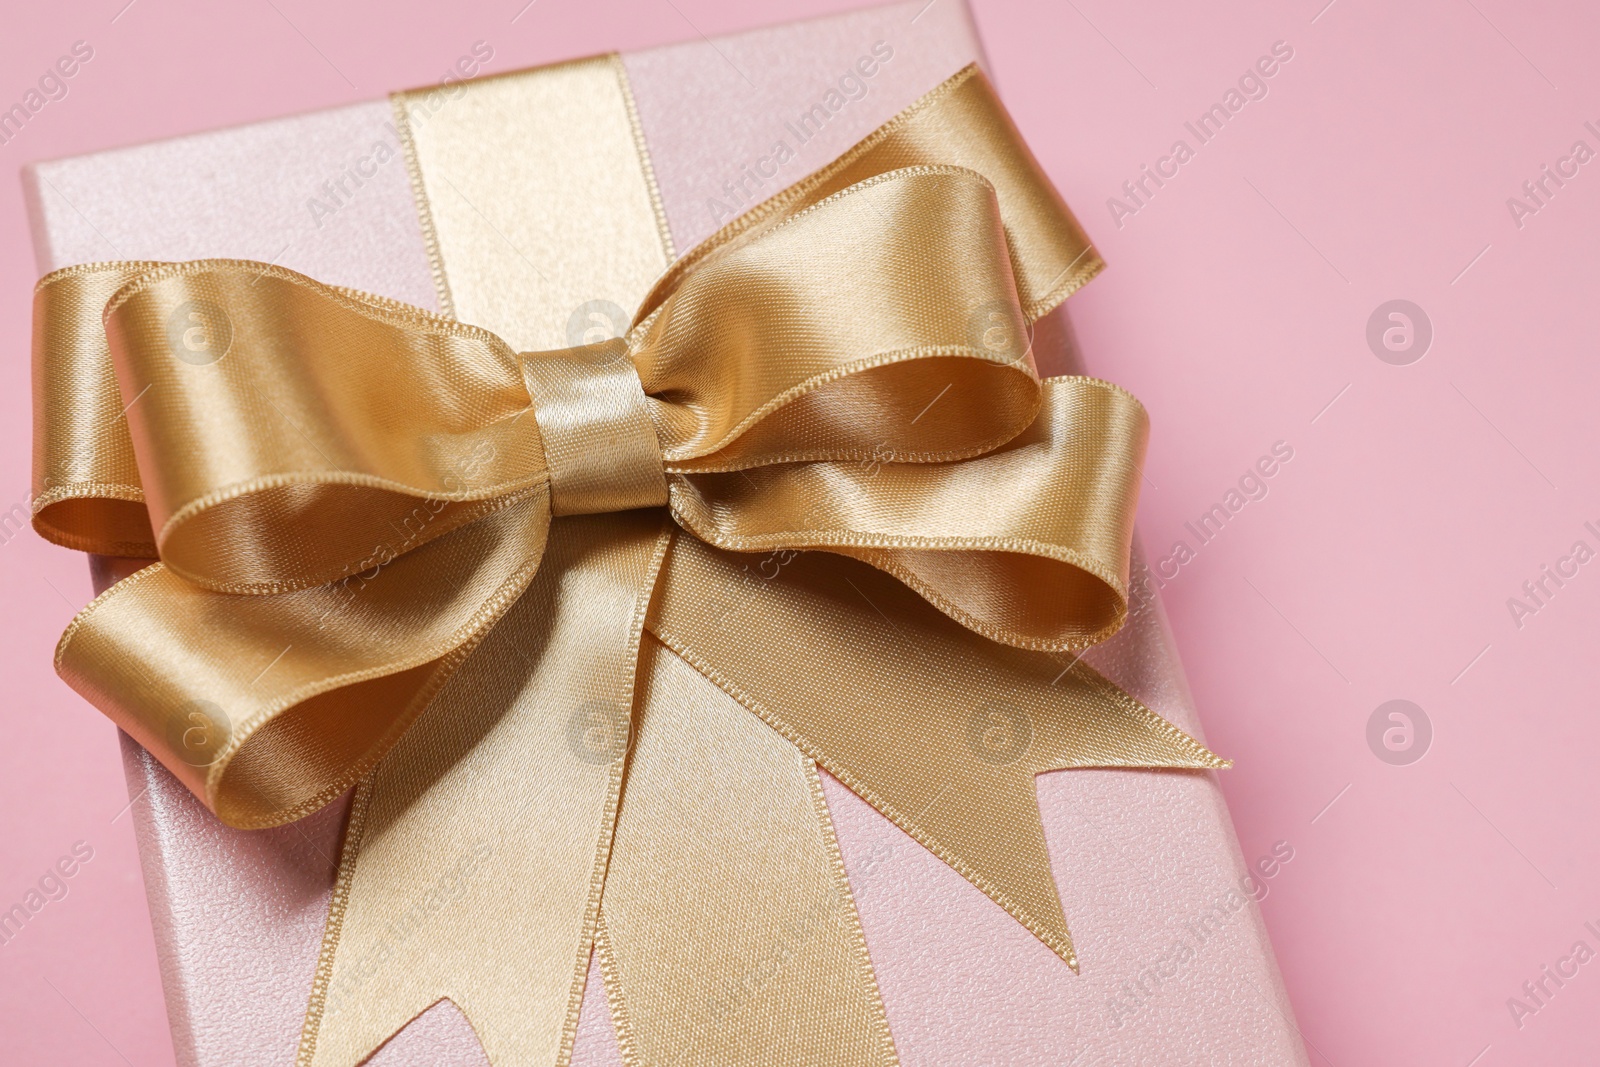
(940, 733)
(729, 935)
(476, 852)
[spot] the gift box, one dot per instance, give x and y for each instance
(1174, 962)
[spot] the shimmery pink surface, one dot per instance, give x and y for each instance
(1378, 566)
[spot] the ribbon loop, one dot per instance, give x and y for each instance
(1002, 542)
(829, 334)
(300, 693)
(290, 434)
(599, 443)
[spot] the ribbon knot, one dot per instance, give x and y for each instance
(600, 446)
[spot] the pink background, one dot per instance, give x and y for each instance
(1377, 167)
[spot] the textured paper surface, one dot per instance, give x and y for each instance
(244, 193)
(961, 981)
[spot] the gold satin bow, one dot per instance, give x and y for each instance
(348, 495)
